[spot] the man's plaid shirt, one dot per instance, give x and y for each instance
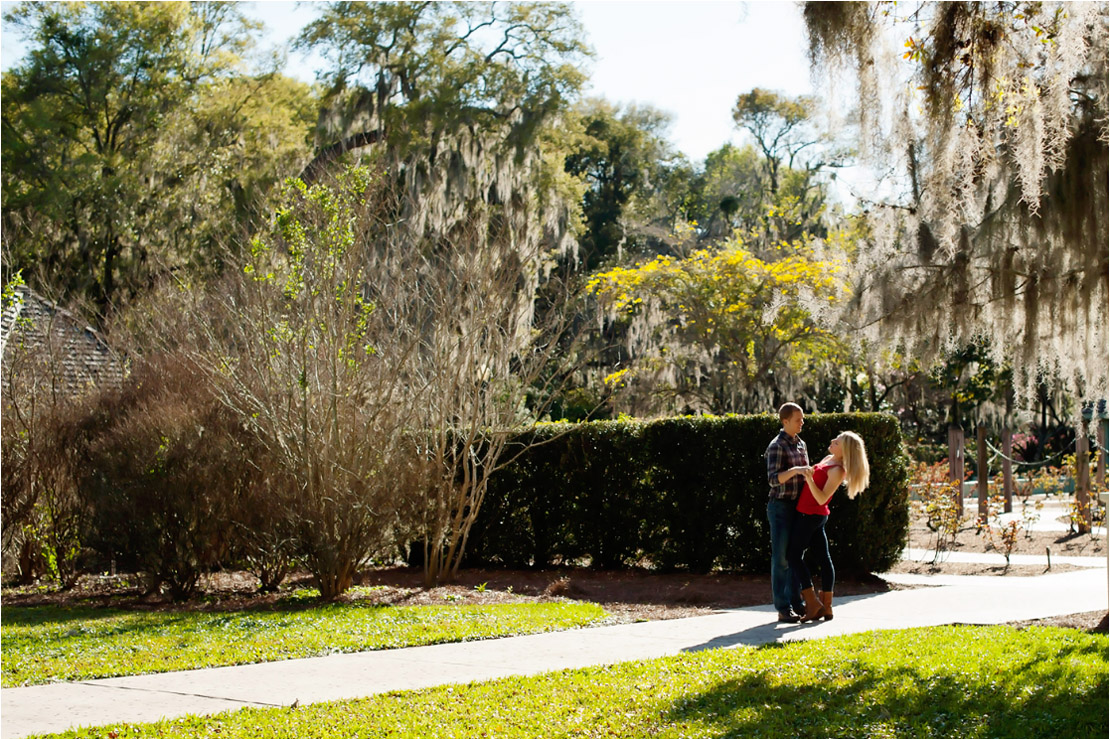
(782, 454)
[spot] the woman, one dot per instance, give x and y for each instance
(846, 464)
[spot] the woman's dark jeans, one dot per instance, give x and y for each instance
(809, 533)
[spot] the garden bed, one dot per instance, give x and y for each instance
(629, 595)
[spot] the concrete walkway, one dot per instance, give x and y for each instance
(970, 600)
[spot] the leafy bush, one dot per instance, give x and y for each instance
(682, 493)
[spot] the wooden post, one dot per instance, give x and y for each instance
(1083, 479)
(1103, 433)
(983, 475)
(956, 461)
(1008, 469)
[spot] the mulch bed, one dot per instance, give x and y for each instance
(970, 539)
(630, 595)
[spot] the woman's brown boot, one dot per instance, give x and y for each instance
(813, 605)
(826, 604)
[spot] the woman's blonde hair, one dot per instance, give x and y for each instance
(857, 472)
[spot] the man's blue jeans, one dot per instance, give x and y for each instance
(784, 586)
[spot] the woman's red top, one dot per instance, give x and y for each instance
(806, 502)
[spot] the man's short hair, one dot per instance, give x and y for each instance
(787, 410)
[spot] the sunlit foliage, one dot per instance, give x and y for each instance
(722, 330)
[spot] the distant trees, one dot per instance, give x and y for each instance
(125, 135)
(634, 182)
(740, 309)
(729, 193)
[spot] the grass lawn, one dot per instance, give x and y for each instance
(952, 681)
(45, 643)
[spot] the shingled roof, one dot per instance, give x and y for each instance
(75, 354)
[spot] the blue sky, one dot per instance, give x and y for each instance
(691, 59)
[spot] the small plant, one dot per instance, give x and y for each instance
(1049, 480)
(940, 503)
(1030, 513)
(1079, 514)
(1077, 517)
(302, 595)
(1002, 528)
(481, 587)
(558, 587)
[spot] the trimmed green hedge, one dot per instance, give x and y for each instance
(687, 493)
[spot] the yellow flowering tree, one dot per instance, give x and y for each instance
(722, 330)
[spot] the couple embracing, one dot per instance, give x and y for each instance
(798, 509)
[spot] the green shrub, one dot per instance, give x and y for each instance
(682, 493)
(576, 491)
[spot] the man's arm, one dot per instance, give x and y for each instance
(792, 472)
(775, 475)
(774, 462)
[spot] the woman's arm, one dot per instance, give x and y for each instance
(822, 495)
(792, 472)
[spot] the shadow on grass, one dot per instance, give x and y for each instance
(1031, 698)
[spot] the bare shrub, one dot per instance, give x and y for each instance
(478, 354)
(46, 386)
(262, 539)
(297, 350)
(380, 369)
(164, 464)
(44, 517)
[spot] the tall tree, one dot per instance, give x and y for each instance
(458, 101)
(794, 156)
(626, 164)
(781, 128)
(120, 137)
(1001, 138)
(459, 104)
(415, 72)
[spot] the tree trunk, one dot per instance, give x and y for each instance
(28, 552)
(1083, 480)
(336, 581)
(1103, 432)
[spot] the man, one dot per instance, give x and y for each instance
(787, 462)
